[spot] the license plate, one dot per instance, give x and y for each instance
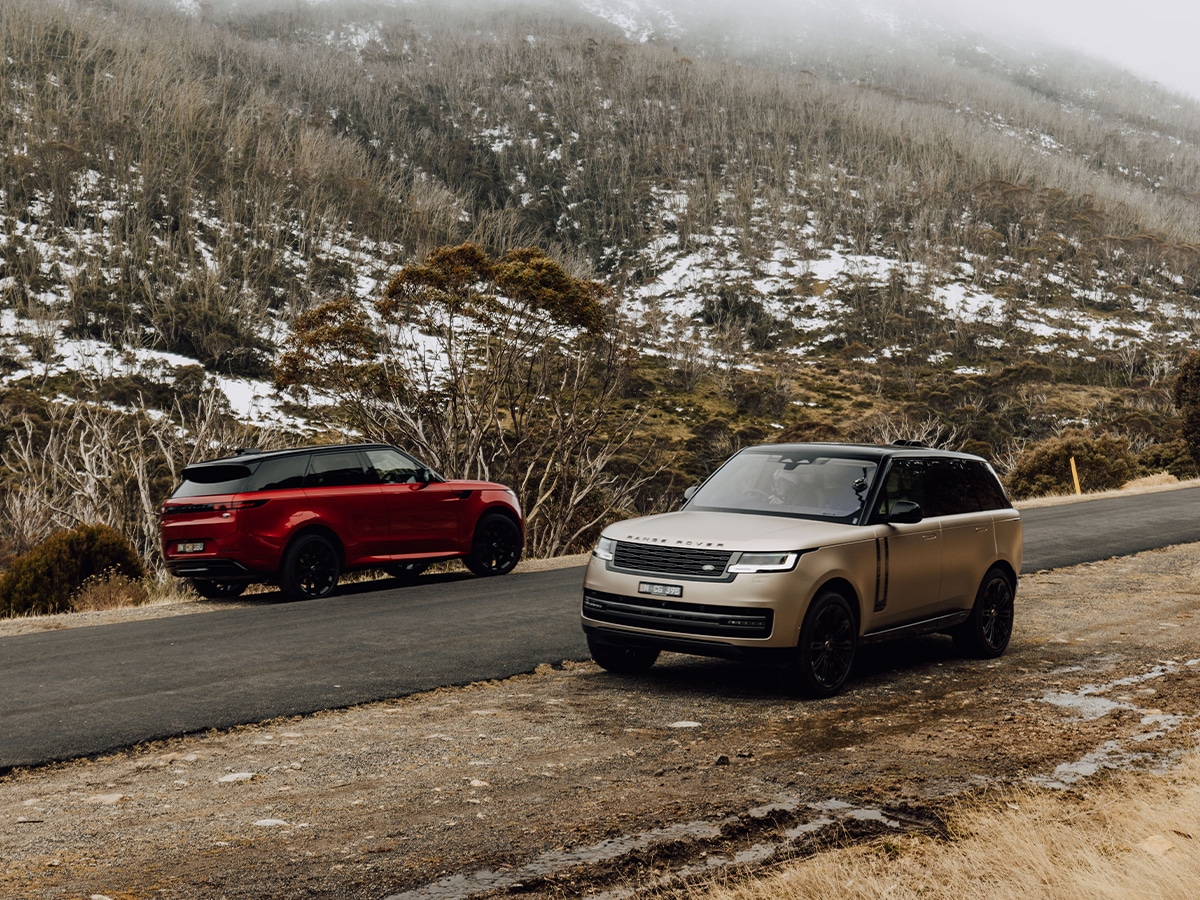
(189, 546)
(660, 590)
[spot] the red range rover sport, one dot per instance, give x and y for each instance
(299, 518)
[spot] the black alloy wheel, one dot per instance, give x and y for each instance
(311, 568)
(985, 635)
(217, 590)
(496, 548)
(621, 659)
(825, 653)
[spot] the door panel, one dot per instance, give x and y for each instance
(425, 515)
(338, 495)
(428, 518)
(912, 556)
(969, 548)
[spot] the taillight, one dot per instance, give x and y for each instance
(243, 504)
(182, 508)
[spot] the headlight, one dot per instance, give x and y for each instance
(605, 548)
(764, 562)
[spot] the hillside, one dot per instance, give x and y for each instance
(812, 223)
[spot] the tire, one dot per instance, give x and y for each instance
(496, 547)
(986, 633)
(217, 590)
(825, 653)
(622, 660)
(311, 567)
(406, 571)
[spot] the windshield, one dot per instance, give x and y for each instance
(804, 484)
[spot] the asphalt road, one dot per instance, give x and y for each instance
(84, 691)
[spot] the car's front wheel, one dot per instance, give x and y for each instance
(217, 590)
(620, 658)
(310, 568)
(496, 548)
(823, 657)
(986, 633)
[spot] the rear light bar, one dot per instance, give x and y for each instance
(181, 508)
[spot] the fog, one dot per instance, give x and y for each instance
(1153, 39)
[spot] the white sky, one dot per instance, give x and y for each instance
(1155, 39)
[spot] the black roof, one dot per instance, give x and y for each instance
(251, 455)
(868, 451)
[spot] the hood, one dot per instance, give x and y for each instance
(733, 531)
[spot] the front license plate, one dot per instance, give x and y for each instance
(660, 590)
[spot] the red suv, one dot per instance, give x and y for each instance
(299, 518)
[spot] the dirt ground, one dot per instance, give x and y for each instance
(573, 782)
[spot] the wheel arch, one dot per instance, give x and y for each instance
(1006, 567)
(846, 589)
(320, 530)
(500, 509)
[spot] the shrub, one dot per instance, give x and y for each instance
(110, 590)
(1187, 400)
(1104, 462)
(44, 579)
(1173, 456)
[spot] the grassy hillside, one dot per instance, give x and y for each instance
(910, 232)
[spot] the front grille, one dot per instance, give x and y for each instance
(686, 561)
(676, 617)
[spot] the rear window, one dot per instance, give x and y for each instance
(200, 481)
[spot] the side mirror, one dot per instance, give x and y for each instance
(905, 512)
(691, 492)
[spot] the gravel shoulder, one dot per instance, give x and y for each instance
(570, 781)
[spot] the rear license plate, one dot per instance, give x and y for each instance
(189, 547)
(660, 590)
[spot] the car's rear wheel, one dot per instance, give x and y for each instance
(621, 659)
(825, 653)
(310, 568)
(496, 548)
(406, 571)
(217, 590)
(986, 633)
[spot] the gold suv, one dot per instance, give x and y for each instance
(800, 553)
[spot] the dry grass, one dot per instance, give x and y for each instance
(110, 590)
(1137, 836)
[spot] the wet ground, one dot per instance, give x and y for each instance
(573, 782)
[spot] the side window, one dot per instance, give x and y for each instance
(339, 469)
(951, 489)
(905, 481)
(394, 467)
(991, 494)
(279, 474)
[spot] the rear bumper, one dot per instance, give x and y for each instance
(216, 569)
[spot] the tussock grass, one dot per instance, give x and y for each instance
(110, 590)
(1134, 836)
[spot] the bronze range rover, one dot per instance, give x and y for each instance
(799, 554)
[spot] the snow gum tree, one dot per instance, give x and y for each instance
(504, 368)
